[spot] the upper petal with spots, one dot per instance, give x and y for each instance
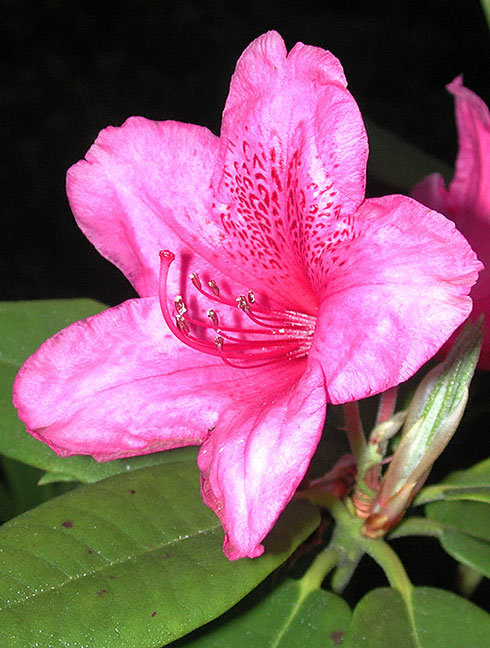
(291, 168)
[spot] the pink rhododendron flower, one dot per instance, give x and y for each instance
(301, 292)
(467, 199)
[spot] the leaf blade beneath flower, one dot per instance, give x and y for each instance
(465, 531)
(433, 619)
(471, 484)
(282, 619)
(125, 562)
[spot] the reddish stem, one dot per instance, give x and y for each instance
(387, 404)
(355, 431)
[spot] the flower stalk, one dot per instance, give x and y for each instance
(350, 545)
(355, 431)
(318, 570)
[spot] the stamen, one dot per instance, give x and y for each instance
(196, 281)
(275, 336)
(242, 303)
(213, 317)
(245, 364)
(182, 324)
(179, 305)
(218, 341)
(214, 287)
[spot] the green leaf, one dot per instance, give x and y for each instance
(467, 550)
(19, 491)
(53, 478)
(471, 484)
(282, 619)
(477, 475)
(432, 619)
(380, 620)
(135, 560)
(40, 320)
(465, 531)
(472, 518)
(486, 9)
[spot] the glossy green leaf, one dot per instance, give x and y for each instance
(40, 320)
(135, 560)
(470, 551)
(380, 620)
(471, 484)
(472, 518)
(432, 619)
(284, 618)
(465, 531)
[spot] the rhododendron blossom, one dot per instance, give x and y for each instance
(467, 199)
(268, 286)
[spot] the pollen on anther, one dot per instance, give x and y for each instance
(218, 341)
(182, 324)
(213, 316)
(180, 306)
(242, 303)
(251, 297)
(196, 282)
(214, 287)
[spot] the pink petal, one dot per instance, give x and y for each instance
(259, 452)
(469, 192)
(291, 167)
(467, 201)
(432, 192)
(470, 188)
(142, 188)
(120, 384)
(392, 297)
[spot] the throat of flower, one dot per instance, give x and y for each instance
(247, 336)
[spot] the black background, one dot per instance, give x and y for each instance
(71, 68)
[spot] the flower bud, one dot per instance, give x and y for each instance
(432, 419)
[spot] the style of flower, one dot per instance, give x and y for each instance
(467, 199)
(300, 291)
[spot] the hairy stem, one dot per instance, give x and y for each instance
(417, 526)
(349, 544)
(318, 570)
(392, 566)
